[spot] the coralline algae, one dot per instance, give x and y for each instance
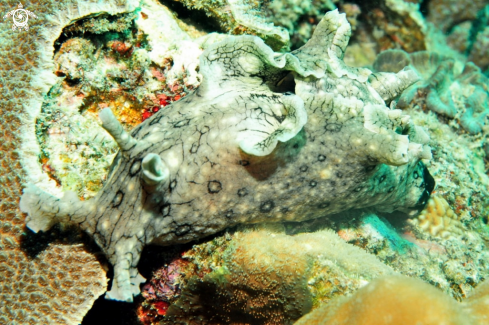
(266, 137)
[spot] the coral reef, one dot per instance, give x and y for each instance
(238, 17)
(140, 63)
(398, 300)
(454, 264)
(448, 87)
(299, 17)
(263, 276)
(114, 70)
(261, 141)
(477, 50)
(396, 25)
(471, 37)
(59, 285)
(446, 14)
(438, 219)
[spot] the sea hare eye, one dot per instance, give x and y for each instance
(154, 171)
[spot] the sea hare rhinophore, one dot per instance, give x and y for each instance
(266, 137)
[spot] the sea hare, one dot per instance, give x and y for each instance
(266, 137)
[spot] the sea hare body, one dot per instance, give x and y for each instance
(266, 137)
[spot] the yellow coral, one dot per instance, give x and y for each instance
(60, 285)
(393, 300)
(477, 303)
(438, 219)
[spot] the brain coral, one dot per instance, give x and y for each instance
(59, 285)
(305, 134)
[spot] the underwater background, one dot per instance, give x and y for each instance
(354, 260)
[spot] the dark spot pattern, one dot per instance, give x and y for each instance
(324, 205)
(332, 127)
(370, 168)
(214, 187)
(267, 206)
(303, 169)
(119, 196)
(194, 148)
(182, 230)
(381, 179)
(181, 123)
(173, 184)
(242, 192)
(165, 210)
(313, 183)
(321, 157)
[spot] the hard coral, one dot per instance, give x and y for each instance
(242, 17)
(396, 24)
(390, 301)
(60, 285)
(445, 14)
(113, 70)
(267, 277)
(448, 87)
(57, 287)
(438, 219)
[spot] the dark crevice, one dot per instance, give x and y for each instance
(194, 17)
(424, 8)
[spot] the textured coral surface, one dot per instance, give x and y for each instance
(258, 276)
(60, 284)
(399, 300)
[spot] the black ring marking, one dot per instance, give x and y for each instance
(267, 206)
(135, 167)
(242, 192)
(214, 187)
(119, 196)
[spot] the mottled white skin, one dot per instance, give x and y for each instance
(243, 148)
